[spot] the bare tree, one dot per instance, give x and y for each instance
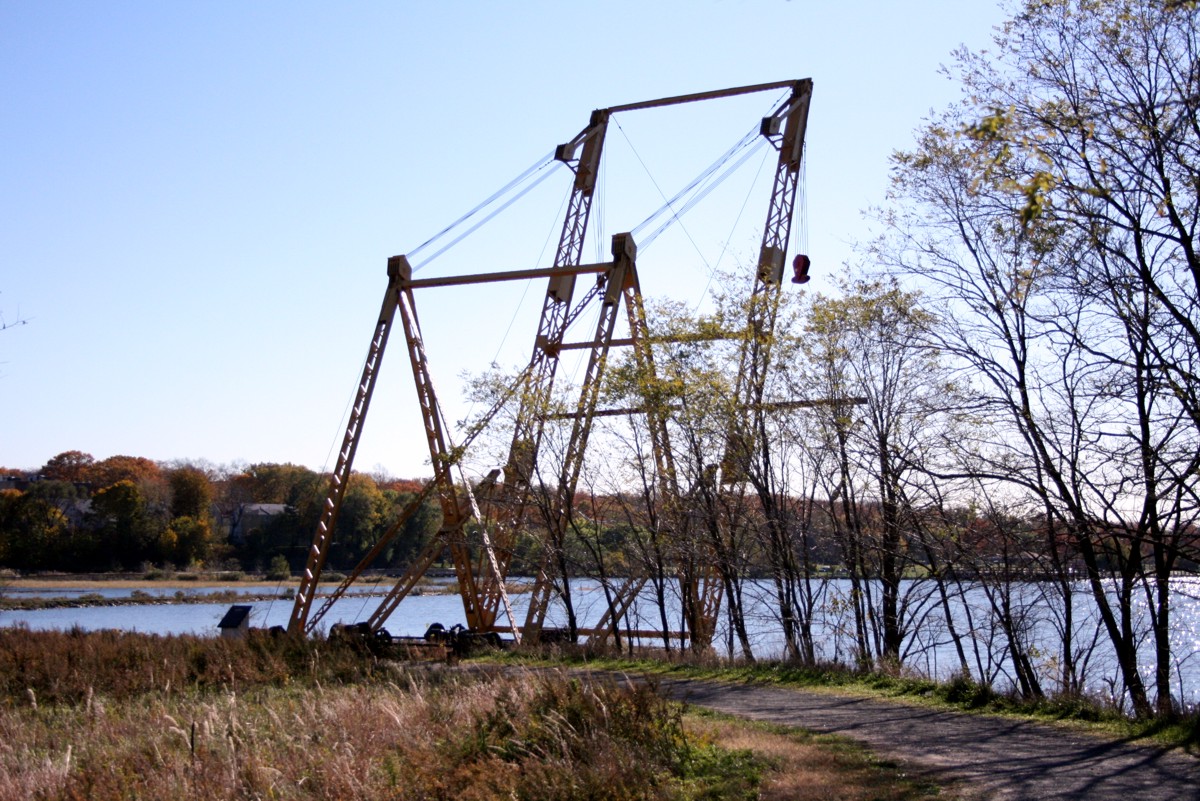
(6, 324)
(871, 343)
(1054, 213)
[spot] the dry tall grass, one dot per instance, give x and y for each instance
(67, 667)
(188, 718)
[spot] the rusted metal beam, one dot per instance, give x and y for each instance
(507, 275)
(340, 480)
(675, 407)
(713, 95)
(658, 340)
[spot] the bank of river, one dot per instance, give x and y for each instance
(928, 650)
(129, 593)
(30, 594)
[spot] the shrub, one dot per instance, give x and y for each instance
(961, 689)
(279, 569)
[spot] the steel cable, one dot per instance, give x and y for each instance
(488, 218)
(699, 195)
(499, 193)
(704, 175)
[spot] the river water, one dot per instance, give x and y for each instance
(929, 649)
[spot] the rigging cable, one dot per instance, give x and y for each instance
(697, 188)
(742, 210)
(545, 246)
(340, 434)
(753, 139)
(803, 187)
(532, 185)
(477, 513)
(525, 293)
(704, 174)
(713, 273)
(701, 193)
(596, 215)
(537, 165)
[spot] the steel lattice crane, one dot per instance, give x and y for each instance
(700, 590)
(481, 575)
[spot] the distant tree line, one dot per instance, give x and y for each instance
(126, 512)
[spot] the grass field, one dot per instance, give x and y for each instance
(111, 715)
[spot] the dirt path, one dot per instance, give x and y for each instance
(983, 756)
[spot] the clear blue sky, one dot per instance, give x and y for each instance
(197, 200)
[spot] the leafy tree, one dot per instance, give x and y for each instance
(74, 466)
(55, 491)
(279, 569)
(114, 469)
(290, 533)
(128, 528)
(33, 532)
(362, 519)
(187, 540)
(191, 493)
(8, 498)
(418, 530)
(870, 343)
(277, 483)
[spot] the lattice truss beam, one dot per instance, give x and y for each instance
(481, 572)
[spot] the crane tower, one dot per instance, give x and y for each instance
(496, 511)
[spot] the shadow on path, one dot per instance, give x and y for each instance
(994, 757)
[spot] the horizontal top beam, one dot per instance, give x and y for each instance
(674, 407)
(659, 340)
(509, 275)
(678, 99)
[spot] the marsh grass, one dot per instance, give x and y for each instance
(67, 667)
(410, 739)
(103, 716)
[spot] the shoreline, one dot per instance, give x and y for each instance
(179, 597)
(58, 582)
(31, 594)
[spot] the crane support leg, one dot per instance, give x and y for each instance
(319, 551)
(620, 280)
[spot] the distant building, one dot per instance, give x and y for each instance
(77, 512)
(19, 483)
(251, 517)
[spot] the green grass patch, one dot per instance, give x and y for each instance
(802, 766)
